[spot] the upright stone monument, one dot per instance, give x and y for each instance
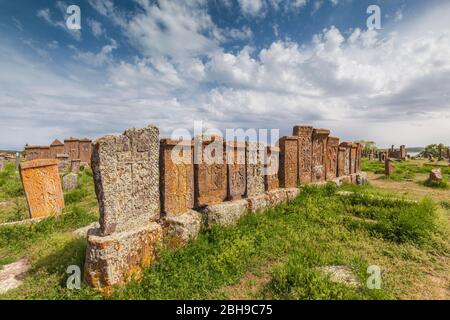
(332, 158)
(254, 153)
(85, 151)
(57, 147)
(288, 162)
(347, 167)
(388, 167)
(72, 148)
(320, 137)
(126, 176)
(237, 179)
(304, 134)
(359, 149)
(271, 166)
(210, 172)
(42, 186)
(63, 162)
(353, 157)
(177, 177)
(341, 162)
(75, 165)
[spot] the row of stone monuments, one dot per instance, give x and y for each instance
(145, 192)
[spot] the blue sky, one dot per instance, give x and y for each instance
(231, 64)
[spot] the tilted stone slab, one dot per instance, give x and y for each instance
(237, 179)
(177, 176)
(320, 137)
(118, 258)
(288, 162)
(42, 186)
(304, 133)
(126, 176)
(271, 167)
(331, 159)
(254, 154)
(226, 213)
(185, 226)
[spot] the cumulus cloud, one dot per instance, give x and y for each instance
(46, 15)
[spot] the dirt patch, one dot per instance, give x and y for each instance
(341, 274)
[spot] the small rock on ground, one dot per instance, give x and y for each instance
(82, 232)
(12, 275)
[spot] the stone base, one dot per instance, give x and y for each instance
(258, 202)
(292, 193)
(117, 258)
(185, 226)
(225, 213)
(361, 178)
(276, 197)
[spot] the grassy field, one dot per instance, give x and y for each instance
(275, 254)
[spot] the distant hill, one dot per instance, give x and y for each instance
(415, 149)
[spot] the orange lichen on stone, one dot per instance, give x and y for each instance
(42, 185)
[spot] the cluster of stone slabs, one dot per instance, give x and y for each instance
(146, 187)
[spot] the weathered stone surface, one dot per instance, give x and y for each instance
(341, 161)
(126, 176)
(276, 197)
(12, 275)
(210, 173)
(237, 180)
(117, 258)
(75, 165)
(57, 147)
(271, 167)
(37, 152)
(361, 178)
(70, 182)
(353, 157)
(185, 226)
(288, 162)
(63, 162)
(42, 186)
(435, 175)
(72, 148)
(304, 133)
(292, 193)
(258, 202)
(359, 149)
(320, 137)
(177, 176)
(226, 213)
(85, 151)
(388, 167)
(254, 153)
(84, 231)
(332, 158)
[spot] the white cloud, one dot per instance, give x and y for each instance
(46, 15)
(97, 59)
(251, 7)
(96, 27)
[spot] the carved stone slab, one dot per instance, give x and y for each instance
(331, 158)
(320, 137)
(237, 180)
(254, 154)
(272, 164)
(288, 162)
(304, 133)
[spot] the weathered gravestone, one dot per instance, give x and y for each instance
(304, 134)
(177, 176)
(70, 181)
(210, 172)
(435, 175)
(237, 179)
(388, 166)
(341, 161)
(288, 162)
(271, 167)
(353, 157)
(320, 137)
(126, 176)
(75, 165)
(42, 186)
(63, 162)
(254, 154)
(332, 158)
(359, 149)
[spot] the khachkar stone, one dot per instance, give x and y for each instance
(63, 162)
(353, 157)
(347, 167)
(288, 162)
(304, 133)
(210, 172)
(177, 177)
(85, 151)
(388, 166)
(254, 156)
(42, 185)
(341, 161)
(359, 149)
(57, 147)
(75, 165)
(237, 180)
(320, 137)
(72, 148)
(126, 177)
(332, 158)
(271, 166)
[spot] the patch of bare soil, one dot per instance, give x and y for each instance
(12, 275)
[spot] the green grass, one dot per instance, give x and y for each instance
(319, 228)
(436, 184)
